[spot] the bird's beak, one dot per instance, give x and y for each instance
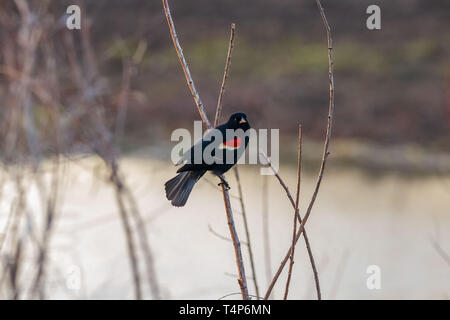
(242, 121)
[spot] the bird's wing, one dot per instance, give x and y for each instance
(189, 154)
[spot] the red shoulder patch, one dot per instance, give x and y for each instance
(231, 144)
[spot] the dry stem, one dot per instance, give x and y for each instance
(325, 148)
(225, 75)
(237, 246)
(298, 217)
(265, 223)
(296, 213)
(185, 67)
(236, 170)
(247, 232)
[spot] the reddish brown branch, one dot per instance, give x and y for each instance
(296, 213)
(236, 171)
(190, 82)
(247, 232)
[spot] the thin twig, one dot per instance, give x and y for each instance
(265, 225)
(237, 246)
(325, 147)
(236, 293)
(233, 275)
(444, 255)
(247, 232)
(218, 235)
(184, 66)
(436, 243)
(222, 237)
(294, 231)
(298, 217)
(225, 75)
(215, 186)
(236, 170)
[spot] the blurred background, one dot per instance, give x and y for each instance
(85, 124)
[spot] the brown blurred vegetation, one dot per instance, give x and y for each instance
(392, 84)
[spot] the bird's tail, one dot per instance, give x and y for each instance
(179, 188)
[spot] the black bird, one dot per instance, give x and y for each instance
(179, 188)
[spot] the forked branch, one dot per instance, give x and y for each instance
(325, 148)
(308, 245)
(297, 217)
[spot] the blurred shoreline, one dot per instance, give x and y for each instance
(370, 158)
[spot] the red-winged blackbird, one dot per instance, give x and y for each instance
(225, 155)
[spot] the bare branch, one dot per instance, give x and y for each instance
(298, 217)
(236, 293)
(184, 66)
(265, 225)
(236, 171)
(325, 147)
(247, 232)
(225, 75)
(237, 246)
(222, 237)
(299, 173)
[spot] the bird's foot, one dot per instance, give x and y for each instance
(224, 183)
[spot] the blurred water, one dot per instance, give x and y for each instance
(358, 221)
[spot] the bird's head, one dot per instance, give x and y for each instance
(238, 121)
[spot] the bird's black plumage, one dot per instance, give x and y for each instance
(225, 154)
